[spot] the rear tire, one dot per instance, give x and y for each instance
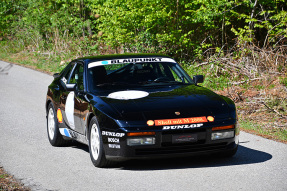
(96, 148)
(54, 135)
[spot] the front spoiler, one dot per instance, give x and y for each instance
(119, 150)
(228, 148)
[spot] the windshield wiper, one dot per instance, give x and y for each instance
(114, 84)
(162, 81)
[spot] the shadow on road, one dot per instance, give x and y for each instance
(243, 156)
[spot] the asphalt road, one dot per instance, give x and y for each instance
(25, 152)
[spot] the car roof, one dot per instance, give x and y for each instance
(89, 59)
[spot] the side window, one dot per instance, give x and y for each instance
(66, 73)
(77, 77)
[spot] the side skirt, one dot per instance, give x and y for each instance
(74, 135)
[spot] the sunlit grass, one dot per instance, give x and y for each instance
(276, 133)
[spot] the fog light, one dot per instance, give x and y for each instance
(222, 135)
(141, 141)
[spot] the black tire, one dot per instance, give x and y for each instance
(96, 148)
(54, 135)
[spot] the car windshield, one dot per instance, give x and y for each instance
(136, 74)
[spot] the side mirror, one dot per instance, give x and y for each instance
(70, 87)
(198, 79)
(56, 75)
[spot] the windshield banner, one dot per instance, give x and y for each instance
(130, 60)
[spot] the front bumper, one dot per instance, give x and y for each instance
(116, 147)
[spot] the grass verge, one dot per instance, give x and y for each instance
(9, 183)
(277, 134)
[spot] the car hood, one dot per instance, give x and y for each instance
(170, 102)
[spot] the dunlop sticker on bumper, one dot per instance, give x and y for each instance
(112, 134)
(182, 126)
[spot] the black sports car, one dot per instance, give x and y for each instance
(135, 106)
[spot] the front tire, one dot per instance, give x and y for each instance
(96, 148)
(54, 135)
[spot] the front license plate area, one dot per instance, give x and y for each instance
(184, 138)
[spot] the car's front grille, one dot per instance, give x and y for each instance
(194, 130)
(181, 149)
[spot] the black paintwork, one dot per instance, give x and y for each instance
(132, 115)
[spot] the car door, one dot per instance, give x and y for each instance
(74, 103)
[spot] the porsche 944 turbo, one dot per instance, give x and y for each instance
(138, 106)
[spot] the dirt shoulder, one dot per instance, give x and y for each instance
(262, 106)
(9, 183)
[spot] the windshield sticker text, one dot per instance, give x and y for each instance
(130, 60)
(134, 60)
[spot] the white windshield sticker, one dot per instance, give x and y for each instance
(130, 60)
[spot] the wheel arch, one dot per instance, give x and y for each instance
(47, 104)
(89, 118)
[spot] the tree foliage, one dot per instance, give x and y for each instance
(182, 28)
